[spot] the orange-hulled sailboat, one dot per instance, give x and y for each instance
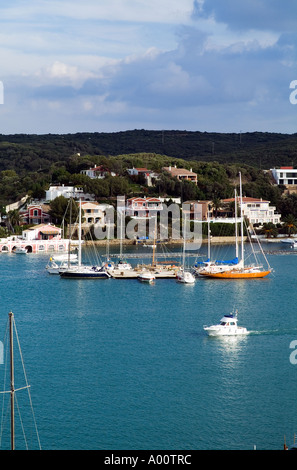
(239, 271)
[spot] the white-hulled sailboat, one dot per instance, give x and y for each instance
(83, 271)
(240, 270)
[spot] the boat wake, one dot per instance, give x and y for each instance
(276, 332)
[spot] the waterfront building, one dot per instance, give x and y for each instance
(200, 210)
(257, 211)
(94, 213)
(42, 238)
(143, 206)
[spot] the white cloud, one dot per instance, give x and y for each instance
(143, 11)
(120, 64)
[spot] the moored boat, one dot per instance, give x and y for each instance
(83, 271)
(185, 277)
(20, 250)
(240, 270)
(146, 276)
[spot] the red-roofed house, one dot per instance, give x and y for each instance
(149, 175)
(36, 214)
(257, 211)
(143, 206)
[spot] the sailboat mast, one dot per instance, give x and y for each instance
(12, 390)
(241, 221)
(154, 242)
(184, 236)
(208, 238)
(69, 235)
(236, 227)
(79, 235)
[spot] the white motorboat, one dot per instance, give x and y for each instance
(146, 276)
(60, 263)
(185, 277)
(227, 327)
(20, 250)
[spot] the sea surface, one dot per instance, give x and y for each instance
(117, 364)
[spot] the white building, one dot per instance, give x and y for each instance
(95, 213)
(67, 192)
(98, 172)
(149, 175)
(257, 211)
(286, 175)
(143, 206)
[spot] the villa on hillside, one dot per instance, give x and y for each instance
(67, 192)
(149, 175)
(287, 176)
(35, 214)
(98, 172)
(181, 173)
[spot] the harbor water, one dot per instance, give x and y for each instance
(118, 364)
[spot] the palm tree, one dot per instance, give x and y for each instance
(290, 224)
(269, 229)
(216, 204)
(13, 219)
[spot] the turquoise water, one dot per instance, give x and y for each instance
(116, 364)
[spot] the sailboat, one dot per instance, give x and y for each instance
(13, 332)
(240, 270)
(183, 276)
(83, 271)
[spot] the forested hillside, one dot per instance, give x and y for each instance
(34, 152)
(30, 163)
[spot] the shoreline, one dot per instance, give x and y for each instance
(117, 241)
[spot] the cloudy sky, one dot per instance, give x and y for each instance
(113, 65)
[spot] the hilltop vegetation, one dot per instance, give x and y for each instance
(30, 163)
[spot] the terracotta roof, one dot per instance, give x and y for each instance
(179, 171)
(245, 199)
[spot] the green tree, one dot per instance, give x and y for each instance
(60, 209)
(290, 224)
(13, 219)
(269, 230)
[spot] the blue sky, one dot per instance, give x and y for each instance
(114, 65)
